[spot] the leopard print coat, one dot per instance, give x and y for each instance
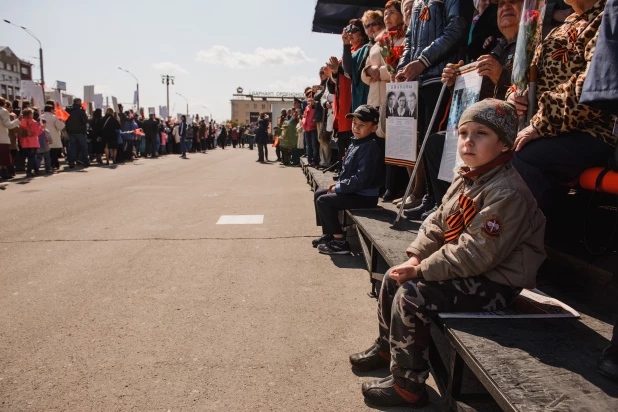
(562, 60)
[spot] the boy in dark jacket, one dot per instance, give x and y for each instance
(358, 184)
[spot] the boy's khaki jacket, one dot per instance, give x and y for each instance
(503, 241)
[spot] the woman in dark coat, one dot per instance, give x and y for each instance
(108, 127)
(98, 144)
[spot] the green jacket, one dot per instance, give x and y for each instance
(289, 136)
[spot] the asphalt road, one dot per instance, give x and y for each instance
(119, 292)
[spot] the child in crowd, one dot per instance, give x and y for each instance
(29, 140)
(358, 185)
(42, 153)
(475, 253)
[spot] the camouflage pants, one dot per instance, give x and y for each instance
(404, 312)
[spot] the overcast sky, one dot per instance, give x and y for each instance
(211, 47)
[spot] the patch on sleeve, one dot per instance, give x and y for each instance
(492, 227)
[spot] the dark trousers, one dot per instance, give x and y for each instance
(278, 152)
(312, 147)
(151, 147)
(327, 207)
(545, 163)
(183, 146)
(432, 159)
(128, 150)
(30, 154)
(286, 155)
(404, 312)
(55, 157)
(343, 142)
(78, 144)
(262, 151)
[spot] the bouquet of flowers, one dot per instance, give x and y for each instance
(390, 53)
(528, 38)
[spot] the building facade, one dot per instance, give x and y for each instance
(12, 71)
(242, 105)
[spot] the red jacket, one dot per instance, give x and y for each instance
(34, 129)
(342, 104)
(308, 123)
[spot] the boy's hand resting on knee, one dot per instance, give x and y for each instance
(406, 271)
(331, 188)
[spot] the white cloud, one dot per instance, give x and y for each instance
(170, 67)
(221, 55)
(294, 84)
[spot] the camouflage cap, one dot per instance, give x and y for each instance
(498, 115)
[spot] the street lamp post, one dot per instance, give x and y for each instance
(40, 54)
(137, 81)
(185, 101)
(166, 79)
(209, 112)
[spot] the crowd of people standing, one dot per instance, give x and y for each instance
(37, 142)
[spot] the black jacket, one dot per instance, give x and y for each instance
(435, 42)
(150, 127)
(361, 172)
(504, 53)
(108, 126)
(77, 123)
(486, 26)
(319, 112)
(261, 134)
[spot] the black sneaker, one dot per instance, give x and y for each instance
(608, 362)
(391, 391)
(430, 211)
(388, 196)
(335, 247)
(321, 239)
(416, 213)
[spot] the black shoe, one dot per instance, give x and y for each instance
(371, 359)
(335, 247)
(607, 364)
(388, 196)
(415, 213)
(391, 391)
(322, 239)
(71, 166)
(336, 178)
(430, 211)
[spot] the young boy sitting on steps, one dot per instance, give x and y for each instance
(475, 253)
(358, 184)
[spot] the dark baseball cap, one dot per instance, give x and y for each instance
(366, 113)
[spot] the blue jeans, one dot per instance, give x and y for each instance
(547, 162)
(183, 146)
(78, 142)
(312, 147)
(43, 156)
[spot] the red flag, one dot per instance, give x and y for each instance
(139, 132)
(61, 113)
(85, 105)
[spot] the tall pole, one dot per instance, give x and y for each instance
(40, 55)
(186, 100)
(137, 81)
(166, 79)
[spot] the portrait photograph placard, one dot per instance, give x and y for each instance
(466, 92)
(401, 123)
